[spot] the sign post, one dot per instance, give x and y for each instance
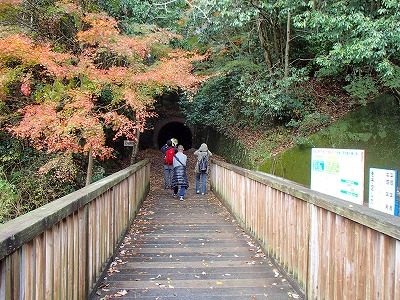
(383, 190)
(128, 143)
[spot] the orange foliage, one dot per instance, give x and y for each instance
(73, 121)
(10, 2)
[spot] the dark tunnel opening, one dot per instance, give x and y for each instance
(176, 130)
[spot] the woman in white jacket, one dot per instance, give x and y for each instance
(201, 174)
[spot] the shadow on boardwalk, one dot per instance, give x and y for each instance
(191, 249)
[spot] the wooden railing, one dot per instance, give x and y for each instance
(333, 249)
(58, 251)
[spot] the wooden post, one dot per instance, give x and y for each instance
(89, 168)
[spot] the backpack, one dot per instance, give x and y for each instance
(169, 156)
(203, 164)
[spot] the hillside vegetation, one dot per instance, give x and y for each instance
(78, 77)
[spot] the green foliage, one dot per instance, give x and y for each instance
(362, 88)
(47, 92)
(8, 201)
(352, 36)
(145, 12)
(393, 80)
(308, 123)
(276, 136)
(29, 179)
(245, 96)
(159, 50)
(22, 186)
(277, 96)
(105, 59)
(303, 142)
(260, 152)
(47, 21)
(7, 13)
(204, 110)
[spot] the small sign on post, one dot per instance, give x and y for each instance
(128, 143)
(382, 190)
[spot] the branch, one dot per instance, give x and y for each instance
(188, 2)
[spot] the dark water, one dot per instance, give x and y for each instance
(374, 128)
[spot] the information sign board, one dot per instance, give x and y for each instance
(128, 143)
(338, 173)
(382, 190)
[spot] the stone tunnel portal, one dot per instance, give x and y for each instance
(173, 128)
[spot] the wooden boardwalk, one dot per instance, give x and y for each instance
(191, 249)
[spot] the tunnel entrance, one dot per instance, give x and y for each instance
(173, 128)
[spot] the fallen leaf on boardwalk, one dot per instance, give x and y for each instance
(295, 296)
(276, 272)
(122, 293)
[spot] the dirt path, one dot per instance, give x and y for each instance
(157, 171)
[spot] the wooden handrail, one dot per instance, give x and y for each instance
(333, 248)
(59, 250)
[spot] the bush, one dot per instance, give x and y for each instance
(8, 202)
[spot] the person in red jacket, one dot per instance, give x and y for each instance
(168, 168)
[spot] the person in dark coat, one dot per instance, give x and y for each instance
(179, 178)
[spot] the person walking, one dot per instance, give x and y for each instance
(168, 151)
(179, 178)
(201, 168)
(174, 142)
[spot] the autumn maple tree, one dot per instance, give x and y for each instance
(60, 96)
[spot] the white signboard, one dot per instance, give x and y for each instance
(338, 173)
(382, 190)
(128, 143)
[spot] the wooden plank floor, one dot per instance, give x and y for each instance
(191, 249)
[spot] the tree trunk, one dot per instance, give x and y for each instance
(277, 44)
(135, 148)
(287, 50)
(263, 37)
(89, 168)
